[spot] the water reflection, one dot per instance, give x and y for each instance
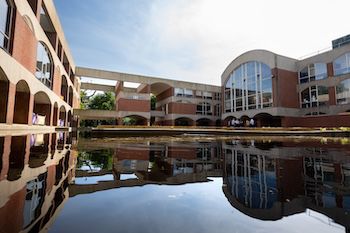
(282, 180)
(263, 179)
(35, 174)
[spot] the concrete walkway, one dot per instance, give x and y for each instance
(155, 131)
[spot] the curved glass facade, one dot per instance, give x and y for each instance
(248, 87)
(341, 65)
(44, 65)
(313, 72)
(343, 92)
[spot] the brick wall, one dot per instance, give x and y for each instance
(284, 86)
(182, 108)
(24, 44)
(317, 121)
(134, 105)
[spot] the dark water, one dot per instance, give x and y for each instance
(57, 183)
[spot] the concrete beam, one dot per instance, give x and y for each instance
(97, 87)
(117, 76)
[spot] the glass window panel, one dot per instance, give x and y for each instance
(239, 92)
(341, 65)
(322, 94)
(320, 71)
(229, 83)
(304, 73)
(267, 97)
(188, 93)
(266, 85)
(4, 8)
(251, 69)
(239, 102)
(227, 95)
(266, 71)
(43, 65)
(252, 100)
(343, 92)
(179, 92)
(251, 88)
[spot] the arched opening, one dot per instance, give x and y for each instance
(4, 91)
(70, 98)
(17, 155)
(62, 116)
(227, 121)
(244, 121)
(22, 98)
(39, 149)
(159, 91)
(184, 121)
(265, 119)
(42, 109)
(204, 122)
(64, 88)
(69, 118)
(55, 114)
(134, 120)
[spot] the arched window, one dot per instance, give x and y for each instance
(341, 65)
(314, 96)
(313, 72)
(343, 92)
(44, 65)
(5, 24)
(248, 87)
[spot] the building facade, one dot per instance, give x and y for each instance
(279, 91)
(40, 84)
(37, 81)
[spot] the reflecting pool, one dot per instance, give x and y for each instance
(60, 183)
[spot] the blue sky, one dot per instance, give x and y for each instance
(194, 40)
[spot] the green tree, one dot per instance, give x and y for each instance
(153, 102)
(104, 101)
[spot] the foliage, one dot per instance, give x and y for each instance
(104, 101)
(84, 99)
(129, 121)
(102, 159)
(153, 102)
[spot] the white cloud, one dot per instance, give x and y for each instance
(195, 40)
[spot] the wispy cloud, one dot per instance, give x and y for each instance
(195, 40)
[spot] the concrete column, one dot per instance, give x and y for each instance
(30, 109)
(27, 151)
(5, 158)
(11, 103)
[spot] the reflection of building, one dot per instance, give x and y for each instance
(35, 173)
(281, 91)
(270, 184)
(38, 85)
(156, 163)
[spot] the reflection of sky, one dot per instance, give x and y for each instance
(93, 179)
(127, 176)
(199, 207)
(90, 167)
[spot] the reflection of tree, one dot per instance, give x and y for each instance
(102, 159)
